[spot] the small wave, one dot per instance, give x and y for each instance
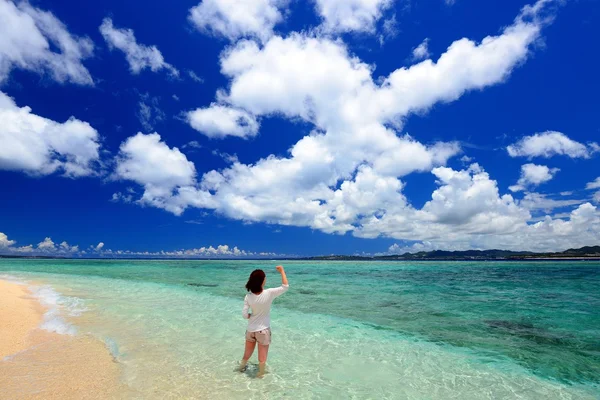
(58, 304)
(12, 279)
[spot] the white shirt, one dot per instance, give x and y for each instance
(260, 304)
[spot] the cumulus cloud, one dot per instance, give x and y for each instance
(45, 247)
(345, 176)
(594, 184)
(46, 244)
(37, 41)
(166, 174)
(40, 146)
(48, 247)
(4, 242)
(548, 144)
(220, 251)
(234, 19)
(597, 197)
(219, 121)
(421, 52)
(580, 227)
(138, 56)
(356, 120)
(533, 175)
(351, 15)
(413, 248)
(210, 251)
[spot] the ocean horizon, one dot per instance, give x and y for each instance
(434, 330)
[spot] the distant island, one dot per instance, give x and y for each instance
(587, 252)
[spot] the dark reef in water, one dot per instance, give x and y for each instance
(306, 291)
(203, 284)
(527, 331)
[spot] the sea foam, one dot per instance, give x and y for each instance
(57, 306)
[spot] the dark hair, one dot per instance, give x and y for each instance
(257, 277)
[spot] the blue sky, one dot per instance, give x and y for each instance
(278, 127)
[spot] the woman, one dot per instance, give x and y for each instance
(258, 301)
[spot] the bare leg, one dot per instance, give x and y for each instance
(263, 351)
(247, 354)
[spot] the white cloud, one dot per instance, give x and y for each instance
(4, 242)
(121, 197)
(594, 184)
(533, 175)
(421, 52)
(37, 41)
(414, 248)
(47, 247)
(166, 174)
(47, 244)
(149, 113)
(40, 146)
(195, 77)
(229, 158)
(219, 121)
(537, 201)
(450, 2)
(579, 228)
(597, 197)
(220, 251)
(65, 247)
(194, 144)
(351, 15)
(318, 81)
(138, 56)
(389, 29)
(471, 199)
(548, 144)
(234, 19)
(345, 175)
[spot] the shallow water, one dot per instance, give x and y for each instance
(396, 330)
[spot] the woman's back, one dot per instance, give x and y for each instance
(260, 304)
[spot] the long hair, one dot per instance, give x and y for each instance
(257, 277)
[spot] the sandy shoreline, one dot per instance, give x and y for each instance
(35, 364)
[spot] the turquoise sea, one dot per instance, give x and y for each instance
(344, 330)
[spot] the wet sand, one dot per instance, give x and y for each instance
(35, 364)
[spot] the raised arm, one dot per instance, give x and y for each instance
(274, 292)
(284, 280)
